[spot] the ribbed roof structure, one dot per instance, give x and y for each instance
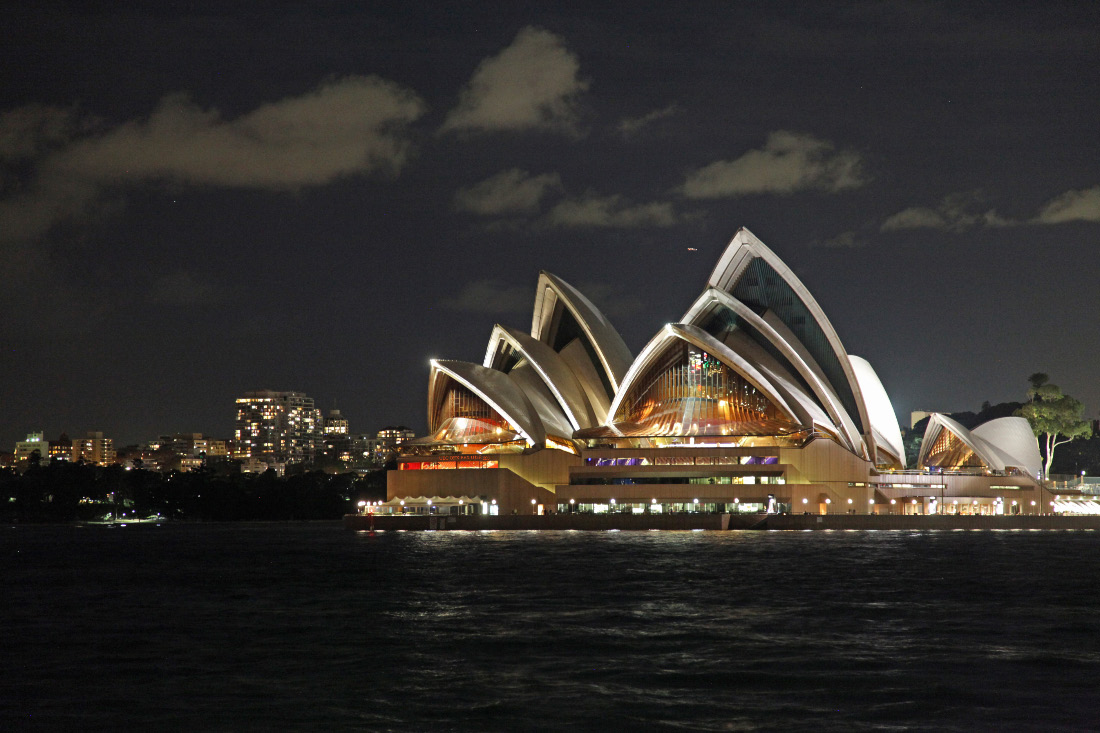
(999, 445)
(754, 355)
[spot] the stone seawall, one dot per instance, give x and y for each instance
(934, 521)
(552, 521)
(794, 522)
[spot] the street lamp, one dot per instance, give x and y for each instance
(571, 503)
(533, 509)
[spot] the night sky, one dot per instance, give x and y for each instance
(197, 202)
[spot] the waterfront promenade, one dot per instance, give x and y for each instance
(796, 522)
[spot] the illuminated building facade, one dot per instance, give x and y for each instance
(335, 424)
(749, 403)
(33, 442)
(336, 441)
(61, 449)
(94, 448)
(277, 427)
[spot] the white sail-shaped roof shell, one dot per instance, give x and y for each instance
(1000, 443)
(839, 421)
(1014, 438)
(611, 351)
(497, 389)
(551, 367)
(884, 421)
(737, 258)
(702, 340)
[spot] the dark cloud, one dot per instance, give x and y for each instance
(630, 126)
(615, 300)
(27, 131)
(512, 191)
(492, 297)
(788, 162)
(955, 212)
(609, 212)
(183, 289)
(343, 127)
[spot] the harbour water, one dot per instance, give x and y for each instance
(308, 626)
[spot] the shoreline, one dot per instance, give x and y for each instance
(722, 522)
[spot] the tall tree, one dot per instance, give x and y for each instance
(1055, 417)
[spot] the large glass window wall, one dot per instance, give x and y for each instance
(762, 288)
(682, 461)
(670, 507)
(463, 418)
(665, 480)
(687, 391)
(950, 452)
(625, 436)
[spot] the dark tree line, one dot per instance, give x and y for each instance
(64, 491)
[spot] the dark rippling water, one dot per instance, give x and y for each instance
(271, 626)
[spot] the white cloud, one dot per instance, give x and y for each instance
(347, 126)
(343, 127)
(512, 191)
(954, 214)
(631, 125)
(788, 162)
(1081, 205)
(531, 84)
(915, 217)
(844, 240)
(591, 211)
(490, 296)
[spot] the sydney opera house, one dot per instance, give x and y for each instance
(748, 403)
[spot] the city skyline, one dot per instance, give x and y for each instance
(195, 204)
